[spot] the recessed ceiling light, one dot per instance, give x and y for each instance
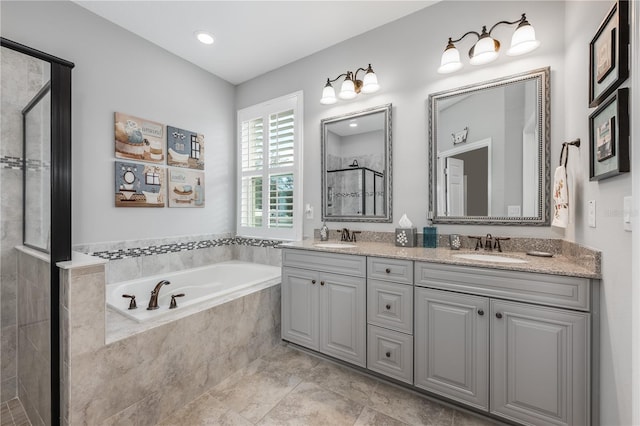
(204, 37)
(353, 123)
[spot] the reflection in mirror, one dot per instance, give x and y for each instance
(356, 166)
(489, 152)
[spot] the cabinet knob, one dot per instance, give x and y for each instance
(313, 281)
(480, 312)
(498, 315)
(388, 354)
(321, 282)
(388, 270)
(388, 307)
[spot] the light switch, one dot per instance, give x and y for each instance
(308, 209)
(591, 213)
(513, 211)
(626, 213)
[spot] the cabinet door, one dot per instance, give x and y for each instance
(451, 338)
(300, 307)
(343, 317)
(540, 364)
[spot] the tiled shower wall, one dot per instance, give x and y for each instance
(21, 78)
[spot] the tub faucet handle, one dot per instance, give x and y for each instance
(173, 303)
(132, 303)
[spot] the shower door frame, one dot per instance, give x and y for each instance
(60, 196)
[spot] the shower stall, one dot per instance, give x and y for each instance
(35, 214)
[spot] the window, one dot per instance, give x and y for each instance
(195, 147)
(269, 169)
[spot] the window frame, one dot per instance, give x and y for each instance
(263, 110)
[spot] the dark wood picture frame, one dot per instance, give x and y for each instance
(614, 113)
(609, 54)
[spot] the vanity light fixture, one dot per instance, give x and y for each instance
(204, 37)
(351, 86)
(486, 49)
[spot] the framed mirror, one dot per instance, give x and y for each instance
(356, 166)
(489, 152)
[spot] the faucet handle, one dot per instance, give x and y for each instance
(497, 242)
(132, 303)
(353, 235)
(173, 303)
(478, 241)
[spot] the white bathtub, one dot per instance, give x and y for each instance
(203, 287)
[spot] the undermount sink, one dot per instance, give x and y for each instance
(489, 258)
(335, 245)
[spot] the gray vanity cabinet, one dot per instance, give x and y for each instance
(534, 328)
(539, 364)
(324, 303)
(452, 345)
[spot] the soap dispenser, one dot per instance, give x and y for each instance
(430, 234)
(324, 232)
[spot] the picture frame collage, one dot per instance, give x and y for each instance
(157, 165)
(609, 129)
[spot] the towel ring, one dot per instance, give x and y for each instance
(565, 150)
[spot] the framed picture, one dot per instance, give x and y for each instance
(139, 185)
(609, 137)
(185, 148)
(609, 54)
(186, 187)
(139, 139)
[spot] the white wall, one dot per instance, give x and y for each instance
(118, 71)
(582, 20)
(405, 55)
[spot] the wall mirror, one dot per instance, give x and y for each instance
(356, 166)
(489, 152)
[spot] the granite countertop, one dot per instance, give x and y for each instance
(559, 264)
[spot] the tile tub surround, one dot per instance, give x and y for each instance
(135, 259)
(149, 375)
(559, 264)
(34, 338)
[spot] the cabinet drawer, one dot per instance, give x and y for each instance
(546, 289)
(390, 353)
(390, 305)
(346, 264)
(398, 271)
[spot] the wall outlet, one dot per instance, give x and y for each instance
(627, 213)
(591, 213)
(513, 211)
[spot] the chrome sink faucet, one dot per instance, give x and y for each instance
(153, 302)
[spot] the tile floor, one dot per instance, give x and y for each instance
(13, 414)
(291, 387)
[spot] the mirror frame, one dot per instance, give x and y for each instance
(543, 89)
(388, 216)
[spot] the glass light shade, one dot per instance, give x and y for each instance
(348, 90)
(450, 60)
(370, 83)
(484, 51)
(523, 40)
(328, 95)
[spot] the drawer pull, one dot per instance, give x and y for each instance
(313, 281)
(388, 270)
(321, 282)
(388, 354)
(498, 315)
(480, 312)
(388, 307)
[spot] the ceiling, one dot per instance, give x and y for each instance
(251, 37)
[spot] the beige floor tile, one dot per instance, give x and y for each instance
(343, 381)
(256, 389)
(206, 410)
(371, 417)
(310, 405)
(462, 418)
(409, 407)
